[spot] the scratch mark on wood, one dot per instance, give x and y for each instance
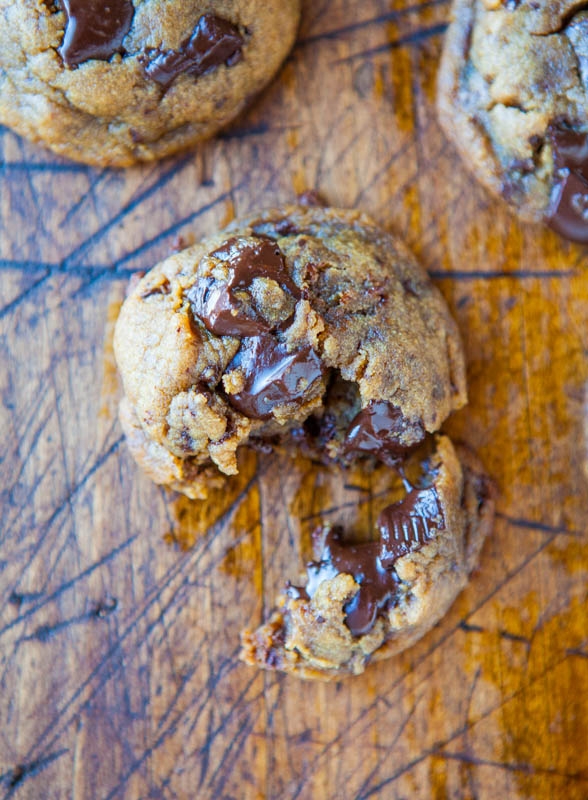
(415, 37)
(49, 167)
(24, 295)
(514, 637)
(166, 176)
(577, 652)
(529, 524)
(15, 778)
(46, 632)
(105, 669)
(490, 275)
(381, 19)
(531, 769)
(68, 584)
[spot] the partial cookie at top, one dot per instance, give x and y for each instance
(307, 327)
(118, 83)
(512, 97)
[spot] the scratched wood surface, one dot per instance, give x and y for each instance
(121, 604)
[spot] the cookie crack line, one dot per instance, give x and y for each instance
(259, 337)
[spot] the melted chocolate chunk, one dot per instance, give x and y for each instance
(94, 29)
(213, 42)
(408, 525)
(377, 429)
(570, 150)
(568, 212)
(404, 527)
(272, 375)
(377, 584)
(217, 305)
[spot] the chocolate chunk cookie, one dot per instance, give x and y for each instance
(367, 601)
(117, 83)
(513, 99)
(304, 326)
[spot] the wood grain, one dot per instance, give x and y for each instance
(121, 604)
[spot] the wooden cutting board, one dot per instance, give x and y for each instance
(121, 604)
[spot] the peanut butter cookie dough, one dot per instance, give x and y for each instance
(118, 83)
(309, 327)
(513, 99)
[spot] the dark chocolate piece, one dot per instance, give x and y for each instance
(213, 42)
(94, 29)
(570, 150)
(376, 431)
(378, 585)
(404, 527)
(568, 214)
(217, 305)
(568, 211)
(272, 375)
(408, 525)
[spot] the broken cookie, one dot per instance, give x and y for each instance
(307, 327)
(366, 601)
(311, 329)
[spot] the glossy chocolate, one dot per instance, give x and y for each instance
(272, 375)
(404, 527)
(570, 150)
(217, 305)
(376, 431)
(213, 42)
(378, 585)
(568, 211)
(94, 29)
(408, 525)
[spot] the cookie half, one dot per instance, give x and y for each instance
(118, 83)
(512, 97)
(362, 602)
(309, 328)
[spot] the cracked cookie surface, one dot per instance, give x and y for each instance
(127, 82)
(512, 96)
(307, 327)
